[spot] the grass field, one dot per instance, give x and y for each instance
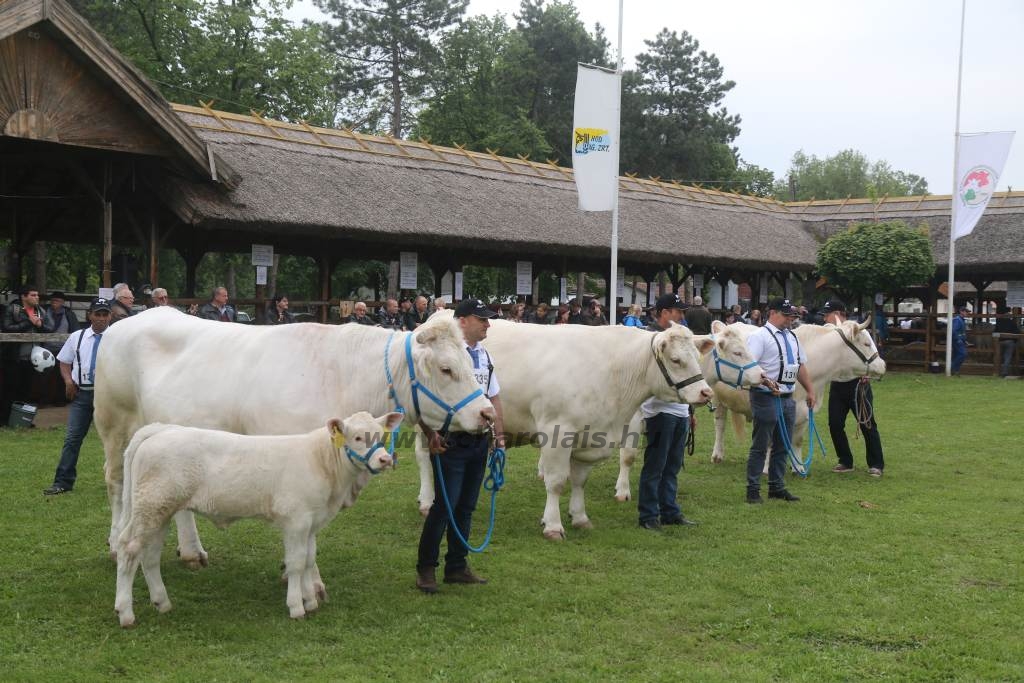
(915, 576)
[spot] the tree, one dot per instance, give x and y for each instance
(877, 257)
(243, 54)
(549, 41)
(473, 104)
(752, 180)
(389, 50)
(673, 122)
(846, 174)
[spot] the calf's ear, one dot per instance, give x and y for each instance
(427, 335)
(334, 428)
(717, 327)
(703, 343)
(390, 421)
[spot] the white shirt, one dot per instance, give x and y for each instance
(765, 351)
(653, 406)
(79, 356)
(487, 379)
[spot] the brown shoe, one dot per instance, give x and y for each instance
(426, 580)
(464, 575)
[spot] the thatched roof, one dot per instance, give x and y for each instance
(349, 186)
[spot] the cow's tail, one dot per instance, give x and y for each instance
(129, 465)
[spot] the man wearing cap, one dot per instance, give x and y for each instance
(666, 425)
(842, 399)
(776, 349)
(959, 339)
(77, 366)
(462, 463)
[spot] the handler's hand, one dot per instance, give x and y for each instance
(70, 390)
(810, 400)
(436, 444)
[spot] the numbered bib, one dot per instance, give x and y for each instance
(789, 371)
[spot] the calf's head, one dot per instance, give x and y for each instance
(361, 438)
(728, 360)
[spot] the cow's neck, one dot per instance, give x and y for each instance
(634, 387)
(822, 346)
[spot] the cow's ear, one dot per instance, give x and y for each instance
(718, 327)
(703, 343)
(334, 428)
(426, 335)
(390, 421)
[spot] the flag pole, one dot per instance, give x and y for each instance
(613, 279)
(950, 281)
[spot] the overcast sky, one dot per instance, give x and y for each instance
(878, 76)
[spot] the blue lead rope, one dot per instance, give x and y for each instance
(493, 482)
(802, 467)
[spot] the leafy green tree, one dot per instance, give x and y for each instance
(752, 180)
(473, 104)
(673, 122)
(877, 257)
(389, 49)
(549, 41)
(845, 174)
(243, 54)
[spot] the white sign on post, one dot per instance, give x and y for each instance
(1015, 293)
(621, 284)
(763, 295)
(261, 275)
(698, 283)
(524, 277)
(652, 294)
(563, 292)
(263, 255)
(407, 266)
(457, 295)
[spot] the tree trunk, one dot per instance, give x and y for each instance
(230, 284)
(396, 91)
(39, 269)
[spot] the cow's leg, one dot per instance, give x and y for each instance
(128, 552)
(310, 592)
(721, 414)
(554, 468)
(627, 456)
(319, 589)
(296, 548)
(578, 473)
(426, 497)
(190, 548)
(151, 550)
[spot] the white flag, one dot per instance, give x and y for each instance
(980, 161)
(594, 153)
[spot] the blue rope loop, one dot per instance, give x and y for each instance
(802, 467)
(363, 460)
(493, 482)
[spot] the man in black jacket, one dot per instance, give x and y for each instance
(23, 316)
(1006, 325)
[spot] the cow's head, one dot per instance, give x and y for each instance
(361, 437)
(858, 355)
(729, 360)
(445, 369)
(675, 373)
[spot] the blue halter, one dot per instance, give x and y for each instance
(719, 362)
(417, 388)
(364, 460)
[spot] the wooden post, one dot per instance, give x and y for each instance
(39, 266)
(324, 264)
(581, 286)
(108, 242)
(154, 258)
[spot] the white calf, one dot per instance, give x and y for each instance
(297, 482)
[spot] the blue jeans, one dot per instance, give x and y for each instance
(959, 356)
(663, 458)
(79, 419)
(463, 466)
(767, 436)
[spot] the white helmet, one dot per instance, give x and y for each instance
(42, 359)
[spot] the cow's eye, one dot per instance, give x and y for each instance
(359, 438)
(446, 371)
(675, 359)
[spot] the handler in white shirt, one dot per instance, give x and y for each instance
(77, 366)
(778, 352)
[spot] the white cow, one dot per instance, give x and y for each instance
(164, 366)
(569, 389)
(298, 483)
(829, 357)
(728, 362)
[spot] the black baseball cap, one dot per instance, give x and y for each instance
(783, 306)
(99, 304)
(833, 306)
(669, 301)
(473, 307)
(57, 295)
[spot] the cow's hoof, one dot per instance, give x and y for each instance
(717, 458)
(554, 534)
(310, 605)
(163, 607)
(320, 591)
(127, 620)
(582, 524)
(196, 562)
(622, 497)
(297, 614)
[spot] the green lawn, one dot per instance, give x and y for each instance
(916, 576)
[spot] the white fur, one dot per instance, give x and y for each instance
(297, 483)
